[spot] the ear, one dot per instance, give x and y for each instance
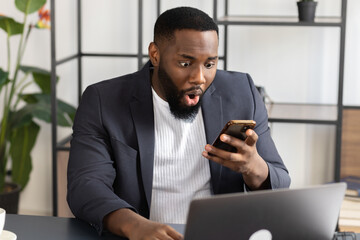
(154, 54)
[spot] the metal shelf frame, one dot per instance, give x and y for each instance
(335, 118)
(339, 22)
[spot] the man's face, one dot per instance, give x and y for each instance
(186, 68)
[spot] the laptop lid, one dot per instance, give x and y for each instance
(304, 213)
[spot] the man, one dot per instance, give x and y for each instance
(137, 156)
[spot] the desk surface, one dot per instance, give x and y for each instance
(56, 228)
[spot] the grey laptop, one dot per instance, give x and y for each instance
(306, 213)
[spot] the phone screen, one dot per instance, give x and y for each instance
(235, 128)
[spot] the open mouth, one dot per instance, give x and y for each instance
(192, 97)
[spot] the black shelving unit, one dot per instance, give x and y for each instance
(298, 113)
(295, 113)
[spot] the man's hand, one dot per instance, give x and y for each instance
(246, 160)
(126, 223)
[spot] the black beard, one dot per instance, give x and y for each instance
(173, 97)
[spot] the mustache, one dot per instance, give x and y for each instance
(194, 88)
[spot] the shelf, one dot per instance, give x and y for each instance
(302, 113)
(278, 21)
(278, 112)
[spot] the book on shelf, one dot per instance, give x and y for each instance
(349, 217)
(349, 225)
(353, 185)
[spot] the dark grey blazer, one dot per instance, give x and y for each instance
(112, 150)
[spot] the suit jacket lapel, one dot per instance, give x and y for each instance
(143, 117)
(212, 110)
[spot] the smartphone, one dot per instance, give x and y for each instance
(235, 128)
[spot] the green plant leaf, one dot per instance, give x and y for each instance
(37, 107)
(43, 80)
(10, 26)
(3, 78)
(21, 117)
(67, 109)
(41, 77)
(29, 98)
(22, 142)
(29, 6)
(40, 106)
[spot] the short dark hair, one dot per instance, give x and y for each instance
(182, 18)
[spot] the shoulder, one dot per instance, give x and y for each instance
(231, 74)
(122, 87)
(233, 81)
(126, 83)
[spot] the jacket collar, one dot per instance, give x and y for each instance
(212, 110)
(143, 116)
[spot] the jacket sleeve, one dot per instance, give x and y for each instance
(91, 171)
(279, 176)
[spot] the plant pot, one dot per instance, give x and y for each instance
(9, 199)
(306, 11)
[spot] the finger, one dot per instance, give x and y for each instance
(227, 159)
(252, 137)
(175, 235)
(235, 142)
(211, 152)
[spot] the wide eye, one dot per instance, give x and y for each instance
(184, 64)
(209, 65)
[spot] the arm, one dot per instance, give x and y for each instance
(125, 222)
(91, 171)
(257, 158)
(247, 161)
(94, 165)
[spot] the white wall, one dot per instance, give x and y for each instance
(295, 64)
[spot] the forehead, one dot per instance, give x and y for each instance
(195, 42)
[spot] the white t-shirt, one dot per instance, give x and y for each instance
(181, 173)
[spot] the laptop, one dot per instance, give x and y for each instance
(305, 213)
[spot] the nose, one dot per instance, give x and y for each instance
(198, 76)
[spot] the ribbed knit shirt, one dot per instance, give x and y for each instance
(180, 172)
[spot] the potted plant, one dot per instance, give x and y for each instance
(306, 10)
(20, 109)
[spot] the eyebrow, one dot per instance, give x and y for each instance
(192, 58)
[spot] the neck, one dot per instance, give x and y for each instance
(155, 83)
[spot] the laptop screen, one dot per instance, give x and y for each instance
(304, 213)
